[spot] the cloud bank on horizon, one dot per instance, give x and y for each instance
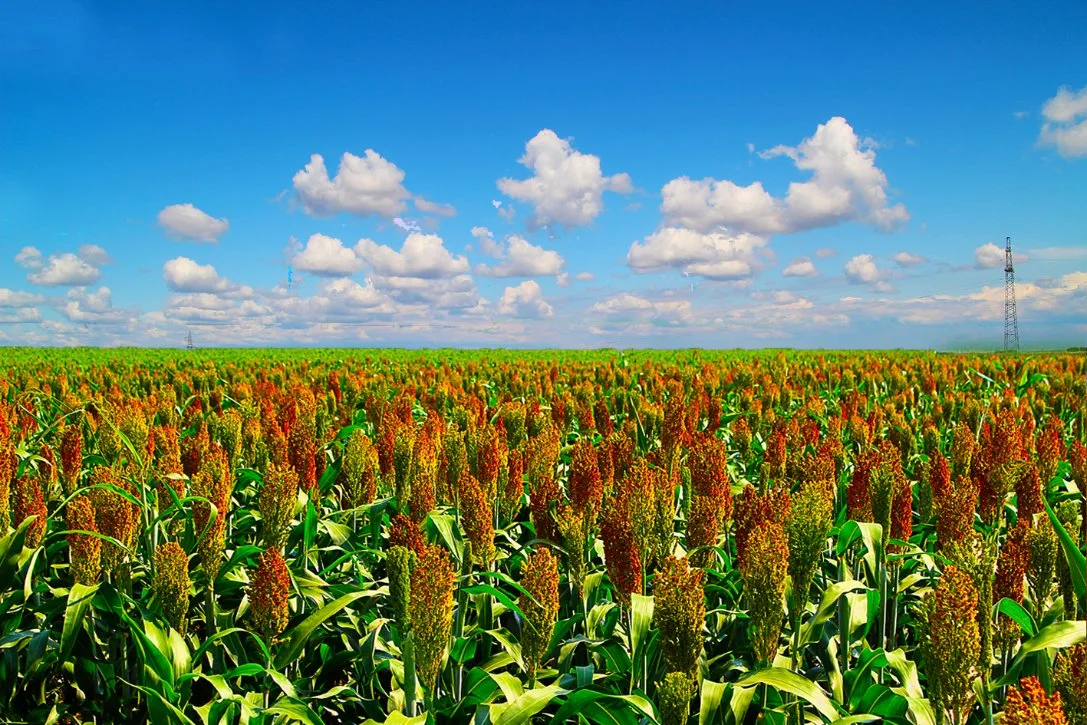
(836, 231)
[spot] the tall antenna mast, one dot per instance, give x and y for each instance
(1011, 321)
(188, 341)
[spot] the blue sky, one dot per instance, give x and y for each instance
(712, 174)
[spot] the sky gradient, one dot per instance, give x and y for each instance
(503, 175)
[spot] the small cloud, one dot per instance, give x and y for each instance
(29, 258)
(431, 207)
(184, 222)
(800, 267)
(1021, 114)
(990, 256)
(908, 259)
(407, 226)
(1065, 126)
(93, 254)
(825, 252)
(911, 141)
(633, 206)
(65, 270)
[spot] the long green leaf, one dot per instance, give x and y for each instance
(1015, 611)
(1055, 636)
(79, 598)
(522, 709)
(1077, 562)
(827, 607)
(712, 694)
(298, 636)
(782, 679)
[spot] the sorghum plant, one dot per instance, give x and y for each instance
(540, 578)
(1070, 680)
(679, 612)
(359, 470)
(28, 500)
(171, 583)
(269, 592)
(477, 517)
(431, 611)
(278, 497)
(1028, 704)
(951, 643)
(763, 566)
(85, 550)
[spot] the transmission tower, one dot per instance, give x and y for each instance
(1011, 321)
(188, 341)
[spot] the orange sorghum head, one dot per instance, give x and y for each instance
(477, 516)
(269, 592)
(763, 567)
(1028, 704)
(85, 550)
(679, 613)
(28, 500)
(432, 610)
(540, 578)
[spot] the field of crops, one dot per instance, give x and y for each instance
(472, 537)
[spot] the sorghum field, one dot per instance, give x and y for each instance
(472, 537)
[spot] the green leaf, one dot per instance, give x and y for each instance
(872, 536)
(712, 694)
(79, 598)
(159, 705)
(641, 617)
(446, 527)
(1014, 611)
(810, 631)
(298, 636)
(522, 709)
(782, 679)
(605, 708)
(295, 711)
(1055, 636)
(1077, 562)
(497, 594)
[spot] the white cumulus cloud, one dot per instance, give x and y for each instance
(422, 256)
(520, 258)
(846, 185)
(990, 256)
(800, 267)
(184, 275)
(184, 222)
(29, 258)
(1065, 125)
(14, 298)
(909, 259)
(326, 257)
(862, 269)
(524, 300)
(93, 254)
(714, 255)
(364, 185)
(65, 270)
(567, 186)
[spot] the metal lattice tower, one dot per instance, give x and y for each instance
(188, 341)
(1011, 321)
